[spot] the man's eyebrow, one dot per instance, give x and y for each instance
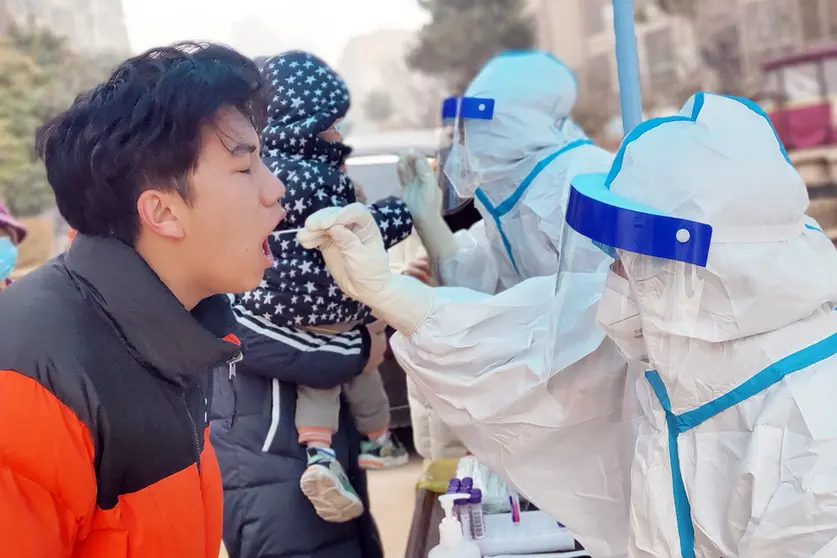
(235, 146)
(242, 149)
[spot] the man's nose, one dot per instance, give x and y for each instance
(273, 189)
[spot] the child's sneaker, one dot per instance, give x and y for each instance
(383, 453)
(326, 485)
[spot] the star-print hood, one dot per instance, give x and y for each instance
(307, 98)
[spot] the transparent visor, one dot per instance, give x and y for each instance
(451, 200)
(458, 177)
(582, 272)
(651, 285)
(634, 294)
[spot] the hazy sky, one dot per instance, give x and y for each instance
(267, 26)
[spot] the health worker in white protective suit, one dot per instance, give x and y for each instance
(725, 289)
(510, 144)
(514, 149)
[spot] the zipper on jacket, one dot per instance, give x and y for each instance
(232, 362)
(196, 446)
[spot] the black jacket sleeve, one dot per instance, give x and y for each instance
(298, 357)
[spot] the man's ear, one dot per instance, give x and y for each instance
(161, 213)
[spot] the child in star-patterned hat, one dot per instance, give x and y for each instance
(298, 300)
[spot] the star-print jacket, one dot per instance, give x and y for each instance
(307, 98)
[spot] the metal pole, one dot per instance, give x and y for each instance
(627, 64)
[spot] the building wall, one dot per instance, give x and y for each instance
(559, 30)
(670, 48)
(375, 64)
(665, 47)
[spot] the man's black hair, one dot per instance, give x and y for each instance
(142, 129)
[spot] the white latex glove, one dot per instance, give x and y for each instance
(421, 191)
(423, 198)
(353, 249)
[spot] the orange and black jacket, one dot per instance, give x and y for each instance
(105, 381)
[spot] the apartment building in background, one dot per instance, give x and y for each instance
(374, 65)
(89, 26)
(724, 40)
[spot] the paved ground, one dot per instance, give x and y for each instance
(392, 494)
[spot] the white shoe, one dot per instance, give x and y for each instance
(384, 453)
(327, 487)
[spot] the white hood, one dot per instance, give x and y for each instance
(720, 162)
(533, 93)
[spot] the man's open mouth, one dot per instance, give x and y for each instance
(267, 253)
(266, 243)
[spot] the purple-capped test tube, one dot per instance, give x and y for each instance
(477, 517)
(463, 505)
(463, 508)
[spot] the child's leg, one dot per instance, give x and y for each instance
(369, 406)
(317, 415)
(324, 481)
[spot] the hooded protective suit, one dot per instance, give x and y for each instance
(727, 445)
(516, 160)
(734, 289)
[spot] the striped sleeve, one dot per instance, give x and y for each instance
(319, 361)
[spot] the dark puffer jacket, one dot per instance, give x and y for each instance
(255, 440)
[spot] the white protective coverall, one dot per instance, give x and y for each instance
(519, 163)
(741, 378)
(432, 438)
(735, 292)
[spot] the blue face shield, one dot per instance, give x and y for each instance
(8, 257)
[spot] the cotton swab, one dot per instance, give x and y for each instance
(289, 231)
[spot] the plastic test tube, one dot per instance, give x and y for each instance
(514, 502)
(477, 518)
(462, 504)
(465, 485)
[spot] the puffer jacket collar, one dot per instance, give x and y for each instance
(155, 326)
